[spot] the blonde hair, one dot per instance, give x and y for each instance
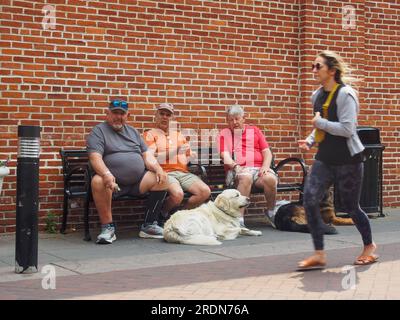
(343, 71)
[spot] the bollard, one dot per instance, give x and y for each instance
(26, 243)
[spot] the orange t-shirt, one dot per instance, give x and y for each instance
(159, 142)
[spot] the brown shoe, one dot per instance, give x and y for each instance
(366, 260)
(311, 263)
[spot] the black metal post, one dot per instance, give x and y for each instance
(381, 214)
(26, 245)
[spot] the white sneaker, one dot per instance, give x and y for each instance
(107, 235)
(151, 230)
(280, 204)
(270, 214)
(270, 219)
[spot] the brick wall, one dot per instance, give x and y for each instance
(382, 87)
(199, 55)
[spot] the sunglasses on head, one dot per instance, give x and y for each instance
(119, 104)
(317, 66)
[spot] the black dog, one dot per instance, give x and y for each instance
(292, 217)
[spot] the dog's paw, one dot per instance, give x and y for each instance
(248, 232)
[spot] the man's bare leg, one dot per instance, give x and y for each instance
(244, 183)
(268, 183)
(200, 194)
(175, 197)
(102, 197)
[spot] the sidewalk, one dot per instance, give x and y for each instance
(247, 268)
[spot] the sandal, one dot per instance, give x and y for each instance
(366, 260)
(310, 263)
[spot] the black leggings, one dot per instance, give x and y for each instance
(348, 179)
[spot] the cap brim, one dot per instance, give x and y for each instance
(172, 111)
(119, 108)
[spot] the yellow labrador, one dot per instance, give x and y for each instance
(210, 222)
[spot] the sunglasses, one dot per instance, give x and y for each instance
(317, 66)
(119, 104)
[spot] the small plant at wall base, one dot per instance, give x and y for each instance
(51, 223)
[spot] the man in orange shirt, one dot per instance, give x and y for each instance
(173, 151)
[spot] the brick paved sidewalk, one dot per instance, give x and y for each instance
(250, 268)
(269, 277)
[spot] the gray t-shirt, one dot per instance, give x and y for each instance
(121, 151)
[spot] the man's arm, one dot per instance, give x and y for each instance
(267, 159)
(98, 165)
(152, 165)
(227, 160)
(224, 145)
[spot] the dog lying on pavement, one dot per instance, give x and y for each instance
(292, 217)
(209, 223)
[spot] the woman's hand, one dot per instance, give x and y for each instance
(316, 118)
(303, 145)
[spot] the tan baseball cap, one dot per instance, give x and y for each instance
(166, 106)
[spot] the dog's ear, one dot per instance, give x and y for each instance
(222, 203)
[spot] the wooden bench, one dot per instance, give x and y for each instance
(77, 177)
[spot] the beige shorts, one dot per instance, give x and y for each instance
(185, 179)
(251, 171)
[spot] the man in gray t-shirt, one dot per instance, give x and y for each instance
(122, 163)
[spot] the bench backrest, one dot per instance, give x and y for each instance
(75, 164)
(76, 167)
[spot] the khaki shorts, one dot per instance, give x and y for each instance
(185, 179)
(251, 171)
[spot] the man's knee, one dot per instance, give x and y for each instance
(269, 181)
(244, 180)
(97, 183)
(204, 191)
(201, 190)
(176, 195)
(150, 180)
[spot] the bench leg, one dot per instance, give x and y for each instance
(65, 215)
(154, 204)
(86, 221)
(301, 197)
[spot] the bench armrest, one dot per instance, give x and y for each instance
(289, 160)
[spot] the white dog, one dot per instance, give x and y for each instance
(209, 222)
